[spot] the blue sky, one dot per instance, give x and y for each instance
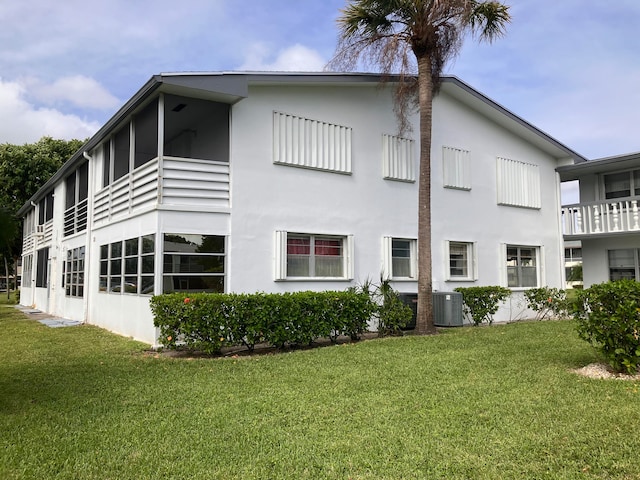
(570, 67)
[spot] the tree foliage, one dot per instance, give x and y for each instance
(405, 38)
(23, 170)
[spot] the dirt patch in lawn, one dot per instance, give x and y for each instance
(602, 371)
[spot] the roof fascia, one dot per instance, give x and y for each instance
(562, 150)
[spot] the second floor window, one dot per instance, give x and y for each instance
(621, 185)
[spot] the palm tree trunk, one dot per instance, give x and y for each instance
(424, 320)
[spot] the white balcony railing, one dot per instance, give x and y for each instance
(601, 218)
(183, 183)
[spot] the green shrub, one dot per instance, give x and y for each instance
(208, 322)
(608, 317)
(481, 303)
(389, 310)
(547, 302)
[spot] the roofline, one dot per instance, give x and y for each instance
(190, 78)
(509, 114)
(598, 165)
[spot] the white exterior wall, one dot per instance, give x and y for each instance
(475, 216)
(268, 197)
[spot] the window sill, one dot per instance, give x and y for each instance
(314, 279)
(403, 279)
(461, 279)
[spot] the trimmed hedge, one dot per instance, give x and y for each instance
(608, 317)
(481, 303)
(206, 322)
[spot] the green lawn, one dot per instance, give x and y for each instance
(490, 402)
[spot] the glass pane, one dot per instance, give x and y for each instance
(512, 277)
(298, 245)
(401, 267)
(148, 264)
(104, 265)
(131, 284)
(176, 283)
(148, 243)
(298, 265)
(328, 247)
(104, 252)
(115, 284)
(146, 285)
(116, 267)
(103, 284)
(193, 243)
(131, 247)
(328, 266)
(193, 264)
(400, 248)
(131, 266)
(529, 277)
(116, 249)
(617, 185)
(622, 258)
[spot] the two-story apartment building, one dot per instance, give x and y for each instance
(607, 219)
(244, 182)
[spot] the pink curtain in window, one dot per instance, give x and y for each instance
(328, 247)
(298, 246)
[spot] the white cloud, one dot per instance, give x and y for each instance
(22, 122)
(296, 58)
(78, 90)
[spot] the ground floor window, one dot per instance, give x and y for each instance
(74, 272)
(315, 256)
(522, 266)
(461, 260)
(42, 268)
(193, 263)
(27, 269)
(128, 266)
(623, 264)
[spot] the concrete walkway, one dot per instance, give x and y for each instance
(46, 318)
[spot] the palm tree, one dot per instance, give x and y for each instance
(396, 36)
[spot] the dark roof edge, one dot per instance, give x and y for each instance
(95, 139)
(508, 113)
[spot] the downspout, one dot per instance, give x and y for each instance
(89, 244)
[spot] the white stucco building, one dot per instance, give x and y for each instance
(245, 182)
(607, 219)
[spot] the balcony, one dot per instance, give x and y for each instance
(178, 183)
(610, 217)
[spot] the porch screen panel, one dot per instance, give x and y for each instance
(303, 142)
(456, 167)
(518, 183)
(398, 159)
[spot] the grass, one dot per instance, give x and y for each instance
(470, 403)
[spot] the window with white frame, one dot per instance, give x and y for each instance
(301, 255)
(461, 263)
(522, 266)
(624, 264)
(193, 263)
(621, 184)
(518, 183)
(400, 258)
(456, 168)
(128, 266)
(74, 273)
